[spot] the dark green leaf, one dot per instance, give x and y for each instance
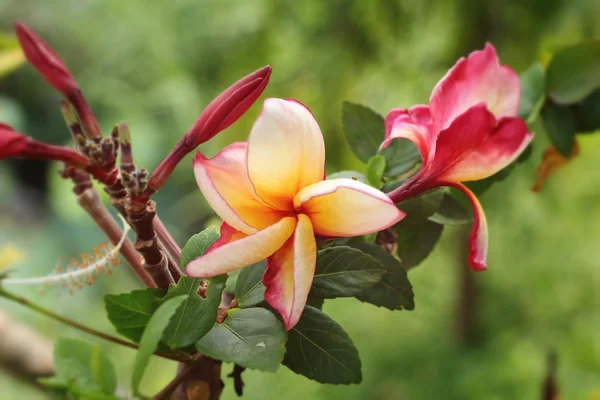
(198, 244)
(560, 127)
(532, 92)
(130, 312)
(85, 370)
(423, 205)
(416, 239)
(196, 315)
(316, 302)
(253, 338)
(151, 337)
(574, 72)
(587, 113)
(375, 169)
(343, 271)
(364, 130)
(357, 176)
(321, 350)
(394, 291)
(451, 212)
(250, 290)
(401, 156)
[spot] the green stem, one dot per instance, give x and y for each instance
(23, 301)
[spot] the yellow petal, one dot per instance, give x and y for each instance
(345, 207)
(236, 250)
(290, 273)
(285, 152)
(225, 185)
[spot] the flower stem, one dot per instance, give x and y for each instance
(32, 306)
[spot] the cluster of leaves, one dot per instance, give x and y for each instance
(566, 94)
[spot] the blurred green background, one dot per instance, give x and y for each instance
(157, 64)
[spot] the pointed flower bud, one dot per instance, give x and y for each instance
(221, 113)
(13, 144)
(54, 71)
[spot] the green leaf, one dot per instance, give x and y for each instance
(250, 290)
(560, 127)
(85, 371)
(11, 55)
(53, 383)
(401, 156)
(198, 244)
(196, 315)
(364, 130)
(151, 337)
(103, 371)
(316, 302)
(394, 292)
(321, 350)
(375, 169)
(587, 113)
(357, 176)
(451, 212)
(533, 95)
(416, 239)
(574, 72)
(130, 312)
(253, 338)
(343, 271)
(425, 204)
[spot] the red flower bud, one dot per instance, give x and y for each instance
(223, 111)
(13, 144)
(45, 60)
(54, 71)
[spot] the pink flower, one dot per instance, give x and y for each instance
(469, 131)
(273, 200)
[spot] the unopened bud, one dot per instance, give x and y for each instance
(223, 111)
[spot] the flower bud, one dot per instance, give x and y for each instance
(13, 144)
(54, 71)
(223, 111)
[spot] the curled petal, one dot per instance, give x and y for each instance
(236, 250)
(286, 152)
(225, 185)
(508, 139)
(345, 207)
(414, 125)
(290, 273)
(479, 78)
(478, 239)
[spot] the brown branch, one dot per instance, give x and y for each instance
(183, 373)
(166, 239)
(203, 382)
(91, 203)
(238, 383)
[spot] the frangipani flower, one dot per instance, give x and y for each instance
(273, 200)
(469, 131)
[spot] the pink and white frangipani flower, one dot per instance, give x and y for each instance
(469, 131)
(273, 200)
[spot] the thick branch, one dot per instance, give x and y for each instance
(90, 202)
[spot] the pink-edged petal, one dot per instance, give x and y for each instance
(225, 184)
(508, 139)
(290, 273)
(467, 132)
(345, 207)
(235, 250)
(286, 152)
(478, 239)
(479, 78)
(414, 125)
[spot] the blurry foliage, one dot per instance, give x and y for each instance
(156, 65)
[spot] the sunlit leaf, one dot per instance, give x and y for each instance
(321, 350)
(357, 176)
(253, 338)
(198, 244)
(11, 55)
(375, 169)
(151, 337)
